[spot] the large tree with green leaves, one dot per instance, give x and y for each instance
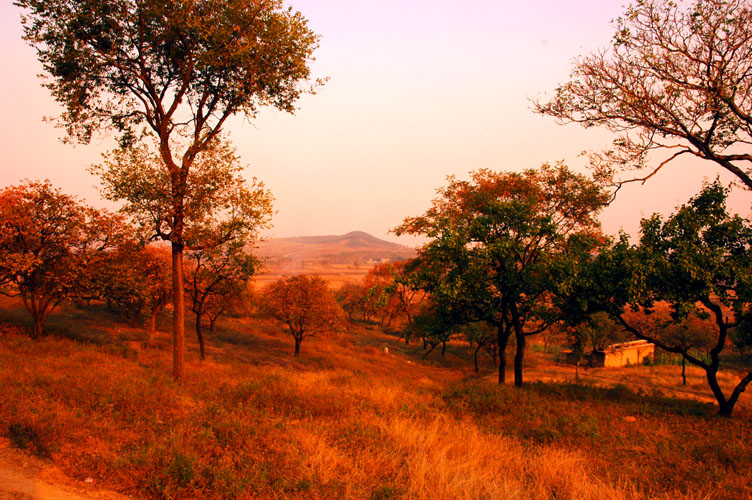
(698, 261)
(175, 71)
(677, 79)
(495, 241)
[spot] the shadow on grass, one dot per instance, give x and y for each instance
(92, 325)
(481, 398)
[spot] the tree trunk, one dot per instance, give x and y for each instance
(443, 348)
(38, 328)
(475, 358)
(684, 371)
(153, 323)
(178, 313)
(503, 338)
(200, 335)
(493, 353)
(577, 370)
(32, 307)
(212, 322)
(297, 346)
(520, 337)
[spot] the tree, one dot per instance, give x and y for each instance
(381, 291)
(481, 336)
(133, 277)
(349, 297)
(214, 272)
(222, 211)
(495, 242)
(47, 240)
(692, 334)
(304, 303)
(436, 325)
(593, 334)
(676, 78)
(409, 298)
(597, 332)
(741, 336)
(175, 71)
(231, 298)
(119, 280)
(698, 262)
(155, 264)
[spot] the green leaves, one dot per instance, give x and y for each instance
(124, 63)
(498, 237)
(217, 204)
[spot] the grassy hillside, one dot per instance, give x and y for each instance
(345, 420)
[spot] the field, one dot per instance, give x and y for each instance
(348, 420)
(334, 274)
(339, 259)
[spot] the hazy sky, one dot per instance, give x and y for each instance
(418, 90)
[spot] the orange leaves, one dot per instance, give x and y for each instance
(304, 303)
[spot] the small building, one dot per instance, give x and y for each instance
(615, 355)
(624, 354)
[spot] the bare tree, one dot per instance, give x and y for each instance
(676, 78)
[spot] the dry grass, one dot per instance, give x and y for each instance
(347, 421)
(335, 275)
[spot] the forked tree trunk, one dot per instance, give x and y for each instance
(297, 346)
(178, 313)
(38, 314)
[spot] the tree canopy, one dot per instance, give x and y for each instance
(47, 243)
(213, 274)
(677, 77)
(495, 240)
(174, 71)
(697, 261)
(304, 303)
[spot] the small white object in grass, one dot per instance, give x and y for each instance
(386, 350)
(88, 480)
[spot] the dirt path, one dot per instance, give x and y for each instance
(24, 477)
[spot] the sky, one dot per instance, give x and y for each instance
(417, 90)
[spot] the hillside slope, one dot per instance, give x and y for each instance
(354, 248)
(338, 259)
(346, 420)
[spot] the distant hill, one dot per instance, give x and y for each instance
(355, 248)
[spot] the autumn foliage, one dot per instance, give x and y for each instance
(49, 246)
(304, 304)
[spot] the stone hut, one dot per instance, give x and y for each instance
(624, 354)
(615, 355)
